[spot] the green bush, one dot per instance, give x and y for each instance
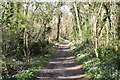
(18, 56)
(98, 69)
(33, 68)
(106, 67)
(35, 48)
(28, 74)
(38, 47)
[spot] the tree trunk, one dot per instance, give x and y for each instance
(58, 27)
(26, 38)
(44, 31)
(96, 31)
(77, 17)
(118, 27)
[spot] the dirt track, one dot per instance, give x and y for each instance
(62, 67)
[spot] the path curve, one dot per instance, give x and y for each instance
(62, 67)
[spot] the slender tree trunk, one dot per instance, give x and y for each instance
(77, 17)
(118, 15)
(58, 27)
(26, 37)
(74, 27)
(96, 31)
(44, 31)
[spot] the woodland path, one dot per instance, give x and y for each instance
(62, 67)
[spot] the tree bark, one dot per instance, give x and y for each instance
(77, 17)
(96, 31)
(26, 37)
(58, 27)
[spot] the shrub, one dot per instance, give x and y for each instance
(38, 47)
(106, 67)
(28, 74)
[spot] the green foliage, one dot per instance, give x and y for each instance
(25, 34)
(33, 68)
(25, 75)
(48, 29)
(36, 64)
(18, 56)
(103, 68)
(97, 69)
(40, 47)
(86, 32)
(36, 47)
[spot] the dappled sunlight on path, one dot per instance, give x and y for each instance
(62, 67)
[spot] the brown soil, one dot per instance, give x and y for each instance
(62, 67)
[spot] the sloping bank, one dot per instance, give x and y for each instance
(35, 66)
(106, 67)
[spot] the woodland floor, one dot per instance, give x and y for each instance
(62, 67)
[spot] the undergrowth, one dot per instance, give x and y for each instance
(15, 68)
(106, 67)
(32, 69)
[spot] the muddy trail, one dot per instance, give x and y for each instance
(62, 67)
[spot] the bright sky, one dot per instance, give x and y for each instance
(66, 8)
